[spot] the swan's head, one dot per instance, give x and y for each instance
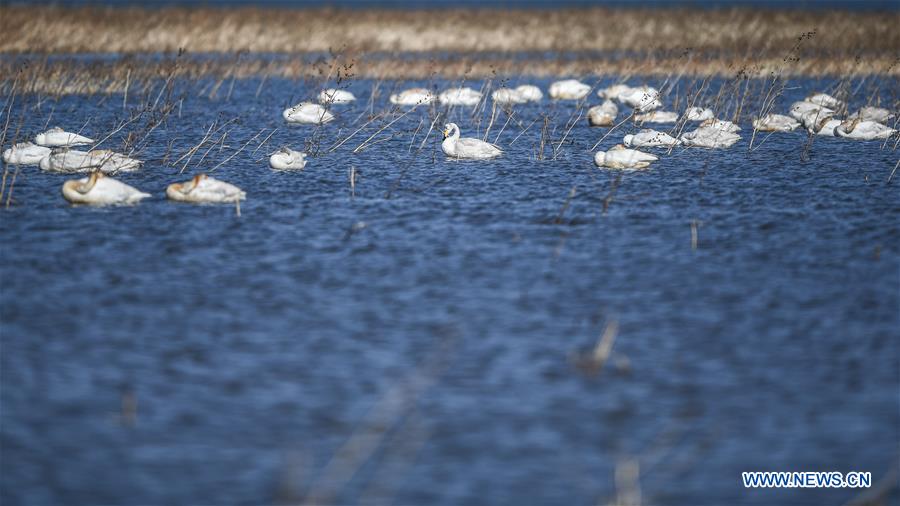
(627, 139)
(599, 158)
(449, 129)
(83, 186)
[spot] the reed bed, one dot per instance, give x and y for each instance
(121, 30)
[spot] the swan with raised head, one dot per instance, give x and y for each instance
(287, 159)
(467, 148)
(99, 189)
(307, 113)
(698, 114)
(529, 92)
(335, 96)
(58, 138)
(709, 137)
(721, 125)
(25, 153)
(203, 189)
(104, 160)
(657, 117)
(413, 96)
(641, 99)
(614, 91)
(802, 108)
(863, 130)
(569, 89)
(870, 113)
(648, 138)
(775, 123)
(603, 114)
(824, 100)
(620, 157)
(460, 96)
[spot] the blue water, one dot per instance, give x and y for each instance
(416, 340)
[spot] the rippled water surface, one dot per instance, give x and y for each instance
(417, 339)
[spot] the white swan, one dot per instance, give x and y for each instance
(569, 89)
(100, 190)
(460, 96)
(603, 114)
(413, 96)
(104, 160)
(721, 125)
(619, 157)
(25, 153)
(614, 91)
(287, 159)
(642, 99)
(709, 137)
(468, 148)
(863, 130)
(57, 137)
(820, 122)
(203, 189)
(802, 108)
(307, 113)
(529, 92)
(775, 123)
(698, 114)
(335, 96)
(869, 113)
(824, 100)
(657, 117)
(650, 139)
(508, 96)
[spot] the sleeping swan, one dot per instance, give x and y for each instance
(603, 114)
(863, 130)
(25, 153)
(460, 96)
(569, 89)
(468, 148)
(775, 123)
(287, 159)
(619, 157)
(334, 96)
(66, 160)
(307, 113)
(650, 139)
(100, 190)
(413, 96)
(57, 137)
(203, 189)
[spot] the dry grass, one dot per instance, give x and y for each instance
(123, 30)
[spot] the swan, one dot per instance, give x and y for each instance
(203, 189)
(334, 96)
(308, 113)
(529, 92)
(603, 114)
(642, 99)
(650, 139)
(775, 123)
(468, 147)
(698, 114)
(619, 157)
(100, 190)
(709, 137)
(801, 108)
(863, 130)
(57, 137)
(460, 96)
(287, 159)
(614, 91)
(820, 122)
(25, 153)
(824, 100)
(104, 160)
(569, 89)
(869, 113)
(413, 96)
(508, 96)
(721, 125)
(657, 117)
